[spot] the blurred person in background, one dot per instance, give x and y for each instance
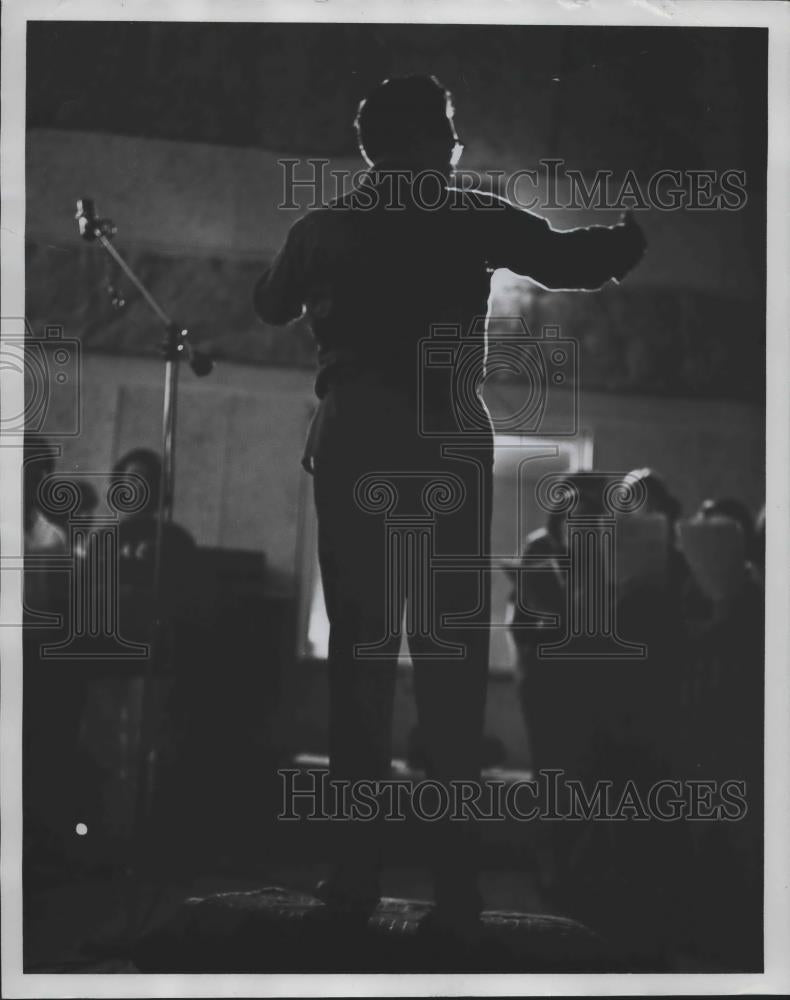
(666, 612)
(554, 693)
(729, 692)
(551, 702)
(141, 468)
(42, 533)
(616, 720)
(733, 511)
(726, 719)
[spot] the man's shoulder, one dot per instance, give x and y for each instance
(539, 542)
(477, 200)
(44, 536)
(327, 214)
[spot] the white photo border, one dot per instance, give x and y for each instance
(647, 13)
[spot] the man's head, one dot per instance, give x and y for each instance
(587, 503)
(408, 121)
(658, 499)
(729, 509)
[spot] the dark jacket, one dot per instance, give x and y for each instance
(375, 278)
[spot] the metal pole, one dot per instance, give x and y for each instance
(175, 347)
(147, 762)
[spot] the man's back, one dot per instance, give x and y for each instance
(384, 264)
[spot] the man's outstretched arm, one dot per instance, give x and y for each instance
(573, 259)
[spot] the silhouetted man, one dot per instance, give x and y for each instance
(375, 271)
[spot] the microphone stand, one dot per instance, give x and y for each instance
(176, 346)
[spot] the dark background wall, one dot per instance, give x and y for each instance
(620, 98)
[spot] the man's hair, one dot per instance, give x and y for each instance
(587, 499)
(659, 499)
(400, 113)
(151, 463)
(736, 511)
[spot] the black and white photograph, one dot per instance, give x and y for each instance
(394, 498)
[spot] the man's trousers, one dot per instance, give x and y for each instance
(404, 518)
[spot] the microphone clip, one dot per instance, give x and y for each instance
(176, 345)
(91, 227)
